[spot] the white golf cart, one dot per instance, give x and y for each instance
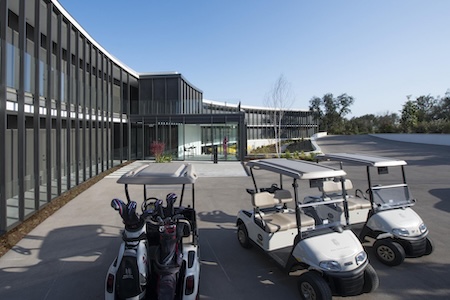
(330, 257)
(390, 226)
(158, 179)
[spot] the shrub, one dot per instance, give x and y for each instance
(157, 149)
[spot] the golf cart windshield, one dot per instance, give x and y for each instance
(391, 196)
(328, 209)
(327, 215)
(385, 177)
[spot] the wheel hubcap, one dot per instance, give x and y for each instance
(241, 236)
(386, 253)
(307, 291)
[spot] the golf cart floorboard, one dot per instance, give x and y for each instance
(357, 228)
(281, 256)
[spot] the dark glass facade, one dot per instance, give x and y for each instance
(69, 110)
(171, 111)
(295, 124)
(63, 107)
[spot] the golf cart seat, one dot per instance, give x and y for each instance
(272, 217)
(333, 188)
(355, 203)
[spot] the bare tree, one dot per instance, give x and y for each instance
(279, 99)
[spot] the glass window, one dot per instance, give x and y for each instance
(29, 67)
(12, 59)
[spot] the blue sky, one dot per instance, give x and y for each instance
(376, 51)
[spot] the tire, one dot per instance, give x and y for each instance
(313, 287)
(242, 235)
(429, 247)
(389, 253)
(371, 280)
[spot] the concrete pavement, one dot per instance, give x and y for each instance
(67, 256)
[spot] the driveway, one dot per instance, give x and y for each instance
(68, 255)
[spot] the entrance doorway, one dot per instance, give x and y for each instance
(185, 139)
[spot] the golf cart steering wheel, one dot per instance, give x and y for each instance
(368, 190)
(148, 203)
(359, 191)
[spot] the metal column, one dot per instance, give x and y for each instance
(3, 28)
(36, 106)
(21, 158)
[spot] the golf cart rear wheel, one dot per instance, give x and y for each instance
(313, 287)
(371, 280)
(389, 253)
(242, 235)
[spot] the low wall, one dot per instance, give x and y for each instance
(314, 143)
(421, 138)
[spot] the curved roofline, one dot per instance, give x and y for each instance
(160, 73)
(91, 39)
(169, 73)
(226, 104)
(112, 57)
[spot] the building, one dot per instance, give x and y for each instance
(171, 110)
(69, 110)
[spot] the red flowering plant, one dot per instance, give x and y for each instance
(157, 149)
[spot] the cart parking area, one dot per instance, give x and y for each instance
(67, 256)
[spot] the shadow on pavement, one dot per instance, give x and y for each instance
(71, 263)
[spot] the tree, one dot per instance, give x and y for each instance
(362, 125)
(279, 99)
(388, 123)
(442, 110)
(425, 108)
(330, 111)
(409, 117)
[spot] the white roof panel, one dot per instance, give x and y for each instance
(298, 169)
(160, 174)
(362, 159)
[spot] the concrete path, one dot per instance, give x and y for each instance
(68, 255)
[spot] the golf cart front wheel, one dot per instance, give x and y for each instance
(242, 235)
(429, 247)
(371, 280)
(313, 287)
(389, 253)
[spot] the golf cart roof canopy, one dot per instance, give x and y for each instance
(160, 173)
(362, 159)
(296, 169)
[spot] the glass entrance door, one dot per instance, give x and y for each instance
(186, 137)
(223, 137)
